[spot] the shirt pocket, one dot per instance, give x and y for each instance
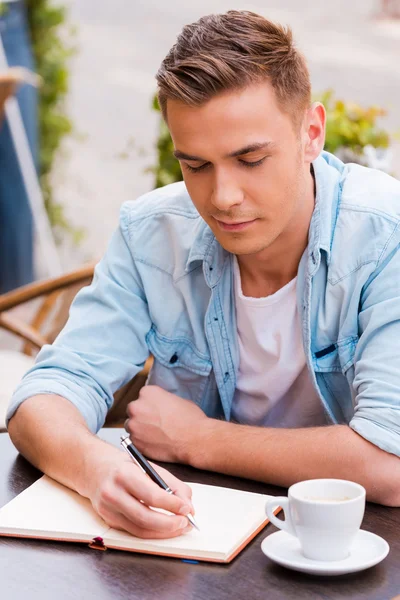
(178, 366)
(332, 366)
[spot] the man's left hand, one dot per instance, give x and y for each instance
(162, 425)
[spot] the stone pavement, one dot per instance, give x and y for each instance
(121, 44)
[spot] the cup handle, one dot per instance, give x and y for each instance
(285, 525)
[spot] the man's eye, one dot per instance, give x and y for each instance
(196, 169)
(252, 164)
(245, 163)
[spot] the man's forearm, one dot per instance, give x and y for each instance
(284, 456)
(52, 434)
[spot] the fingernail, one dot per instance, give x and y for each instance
(187, 529)
(183, 524)
(185, 510)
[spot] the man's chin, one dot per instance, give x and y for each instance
(241, 247)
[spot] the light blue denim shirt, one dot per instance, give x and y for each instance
(164, 286)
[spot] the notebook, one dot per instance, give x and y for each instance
(228, 520)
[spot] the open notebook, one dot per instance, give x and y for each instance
(228, 520)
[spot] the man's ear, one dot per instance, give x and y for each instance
(314, 131)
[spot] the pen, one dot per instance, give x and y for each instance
(148, 469)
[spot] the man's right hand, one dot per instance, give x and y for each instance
(119, 490)
(121, 493)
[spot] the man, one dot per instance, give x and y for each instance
(266, 287)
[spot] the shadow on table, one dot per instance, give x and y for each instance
(356, 586)
(21, 475)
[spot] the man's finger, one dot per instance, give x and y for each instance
(119, 521)
(140, 486)
(145, 518)
(181, 489)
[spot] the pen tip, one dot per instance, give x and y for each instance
(192, 521)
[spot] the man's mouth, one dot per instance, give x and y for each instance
(234, 225)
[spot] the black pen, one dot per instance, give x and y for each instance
(148, 469)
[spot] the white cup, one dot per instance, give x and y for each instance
(324, 514)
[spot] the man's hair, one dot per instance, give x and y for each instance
(228, 52)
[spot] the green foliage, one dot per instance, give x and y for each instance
(167, 169)
(51, 42)
(351, 126)
(348, 126)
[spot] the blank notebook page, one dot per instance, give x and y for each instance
(226, 518)
(48, 506)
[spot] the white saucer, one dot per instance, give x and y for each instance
(366, 551)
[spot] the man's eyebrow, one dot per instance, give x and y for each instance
(245, 150)
(250, 148)
(183, 156)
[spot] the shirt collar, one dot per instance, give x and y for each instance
(207, 250)
(327, 173)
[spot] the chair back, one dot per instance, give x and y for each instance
(37, 312)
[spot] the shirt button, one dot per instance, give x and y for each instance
(173, 358)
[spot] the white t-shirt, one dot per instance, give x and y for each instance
(273, 387)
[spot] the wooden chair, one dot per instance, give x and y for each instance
(52, 299)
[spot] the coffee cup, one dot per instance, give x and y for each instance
(324, 514)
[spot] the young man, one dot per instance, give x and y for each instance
(266, 286)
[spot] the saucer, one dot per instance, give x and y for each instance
(366, 551)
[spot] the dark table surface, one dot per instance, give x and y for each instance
(33, 569)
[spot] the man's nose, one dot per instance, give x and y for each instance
(226, 193)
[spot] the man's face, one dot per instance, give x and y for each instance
(243, 164)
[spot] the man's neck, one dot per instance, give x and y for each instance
(266, 272)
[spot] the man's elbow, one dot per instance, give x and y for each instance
(14, 429)
(376, 469)
(388, 494)
(384, 480)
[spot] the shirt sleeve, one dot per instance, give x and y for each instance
(377, 358)
(103, 344)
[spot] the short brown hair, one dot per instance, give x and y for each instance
(230, 51)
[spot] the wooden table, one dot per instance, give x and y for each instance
(39, 570)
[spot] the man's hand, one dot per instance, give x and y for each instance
(163, 425)
(118, 489)
(121, 493)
